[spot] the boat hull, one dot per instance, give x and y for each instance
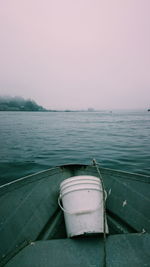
(29, 210)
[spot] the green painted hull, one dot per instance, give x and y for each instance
(32, 229)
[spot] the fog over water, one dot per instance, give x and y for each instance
(76, 54)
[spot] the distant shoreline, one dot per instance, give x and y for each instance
(78, 111)
(16, 104)
(19, 104)
(67, 111)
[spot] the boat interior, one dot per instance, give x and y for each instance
(32, 227)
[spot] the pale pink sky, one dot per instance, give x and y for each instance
(76, 53)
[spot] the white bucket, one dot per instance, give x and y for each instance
(82, 203)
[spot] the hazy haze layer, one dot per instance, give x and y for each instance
(76, 54)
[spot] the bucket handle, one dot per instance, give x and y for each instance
(81, 211)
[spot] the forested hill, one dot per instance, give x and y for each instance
(19, 104)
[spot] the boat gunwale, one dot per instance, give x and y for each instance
(57, 169)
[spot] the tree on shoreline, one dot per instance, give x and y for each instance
(19, 104)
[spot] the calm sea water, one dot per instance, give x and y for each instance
(34, 141)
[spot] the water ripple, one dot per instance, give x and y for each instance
(34, 141)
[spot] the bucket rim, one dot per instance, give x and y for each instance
(78, 185)
(79, 177)
(80, 189)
